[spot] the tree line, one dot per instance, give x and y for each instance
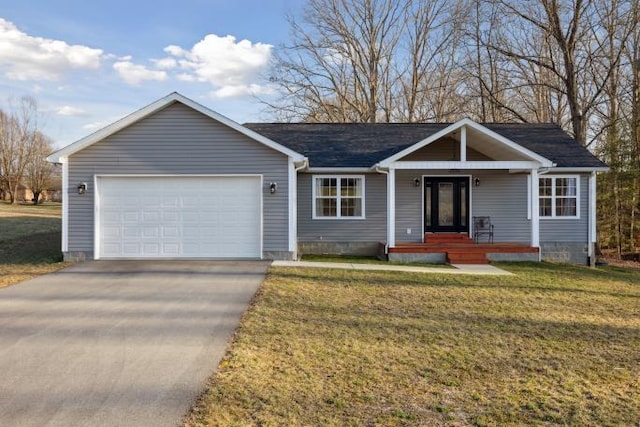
(23, 150)
(575, 63)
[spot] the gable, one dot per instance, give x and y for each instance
(159, 105)
(469, 133)
(180, 137)
(444, 149)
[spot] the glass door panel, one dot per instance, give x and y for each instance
(445, 204)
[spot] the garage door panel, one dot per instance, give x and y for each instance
(130, 216)
(131, 249)
(170, 232)
(131, 233)
(150, 215)
(174, 217)
(112, 233)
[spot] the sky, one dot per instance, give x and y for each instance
(90, 63)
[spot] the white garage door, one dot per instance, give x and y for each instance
(179, 217)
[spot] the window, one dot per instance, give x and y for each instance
(338, 197)
(558, 196)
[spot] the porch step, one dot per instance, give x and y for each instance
(445, 238)
(456, 257)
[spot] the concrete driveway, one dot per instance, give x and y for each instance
(118, 343)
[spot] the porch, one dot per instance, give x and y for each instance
(458, 248)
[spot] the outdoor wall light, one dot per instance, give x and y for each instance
(273, 187)
(82, 188)
(416, 182)
(476, 182)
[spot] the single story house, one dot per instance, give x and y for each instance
(178, 180)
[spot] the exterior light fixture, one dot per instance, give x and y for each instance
(416, 182)
(82, 188)
(476, 182)
(273, 187)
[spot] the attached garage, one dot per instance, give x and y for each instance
(178, 217)
(177, 180)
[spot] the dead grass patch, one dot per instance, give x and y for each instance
(29, 242)
(553, 345)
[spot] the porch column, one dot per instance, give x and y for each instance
(592, 220)
(65, 204)
(463, 144)
(391, 208)
(535, 209)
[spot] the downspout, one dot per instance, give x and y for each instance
(535, 216)
(592, 223)
(378, 169)
(293, 200)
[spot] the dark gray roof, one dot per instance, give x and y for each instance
(365, 144)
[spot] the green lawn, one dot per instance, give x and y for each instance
(29, 241)
(553, 345)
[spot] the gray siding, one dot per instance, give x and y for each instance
(408, 207)
(178, 140)
(569, 230)
(370, 229)
(501, 195)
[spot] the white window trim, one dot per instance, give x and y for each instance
(338, 215)
(553, 197)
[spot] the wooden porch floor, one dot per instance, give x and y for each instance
(460, 249)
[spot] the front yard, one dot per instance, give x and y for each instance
(554, 345)
(29, 241)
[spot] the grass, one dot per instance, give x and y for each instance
(29, 241)
(553, 345)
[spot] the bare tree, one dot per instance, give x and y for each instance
(39, 174)
(338, 66)
(17, 133)
(572, 54)
(426, 73)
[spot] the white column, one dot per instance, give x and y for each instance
(592, 219)
(463, 144)
(391, 208)
(535, 210)
(293, 208)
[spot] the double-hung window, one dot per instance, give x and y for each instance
(338, 196)
(559, 196)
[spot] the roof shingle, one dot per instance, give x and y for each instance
(365, 144)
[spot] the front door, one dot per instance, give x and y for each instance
(446, 204)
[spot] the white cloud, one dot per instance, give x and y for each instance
(186, 77)
(68, 110)
(134, 74)
(165, 63)
(231, 67)
(96, 125)
(242, 90)
(24, 57)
